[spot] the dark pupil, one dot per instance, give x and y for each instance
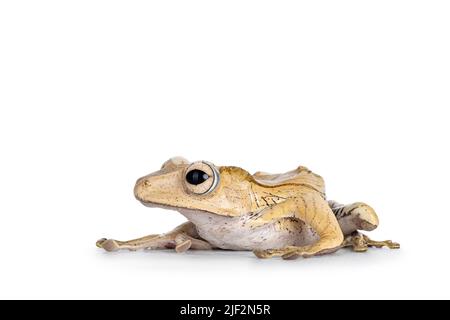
(196, 177)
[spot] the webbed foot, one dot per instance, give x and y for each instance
(360, 243)
(288, 253)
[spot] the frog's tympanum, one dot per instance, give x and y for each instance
(283, 215)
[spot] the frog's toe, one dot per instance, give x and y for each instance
(295, 255)
(393, 245)
(183, 246)
(291, 256)
(263, 254)
(388, 243)
(100, 242)
(182, 243)
(269, 253)
(108, 244)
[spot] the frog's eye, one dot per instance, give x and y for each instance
(201, 177)
(196, 177)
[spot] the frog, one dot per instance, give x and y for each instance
(283, 215)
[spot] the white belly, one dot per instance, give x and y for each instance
(234, 233)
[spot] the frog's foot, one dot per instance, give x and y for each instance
(360, 242)
(182, 238)
(268, 253)
(181, 242)
(292, 252)
(132, 245)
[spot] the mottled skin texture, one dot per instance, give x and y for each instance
(283, 215)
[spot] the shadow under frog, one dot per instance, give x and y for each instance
(284, 215)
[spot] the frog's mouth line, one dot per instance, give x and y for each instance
(178, 209)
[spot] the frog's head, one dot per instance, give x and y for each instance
(200, 185)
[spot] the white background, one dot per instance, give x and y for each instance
(94, 94)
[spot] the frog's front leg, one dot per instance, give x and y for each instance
(315, 212)
(182, 238)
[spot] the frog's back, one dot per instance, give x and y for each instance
(301, 176)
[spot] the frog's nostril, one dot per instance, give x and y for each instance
(147, 183)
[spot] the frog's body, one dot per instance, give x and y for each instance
(271, 214)
(234, 233)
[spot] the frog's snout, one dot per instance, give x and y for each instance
(139, 187)
(160, 187)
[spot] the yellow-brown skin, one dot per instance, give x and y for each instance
(166, 187)
(288, 198)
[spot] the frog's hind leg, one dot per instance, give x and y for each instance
(181, 239)
(360, 242)
(355, 216)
